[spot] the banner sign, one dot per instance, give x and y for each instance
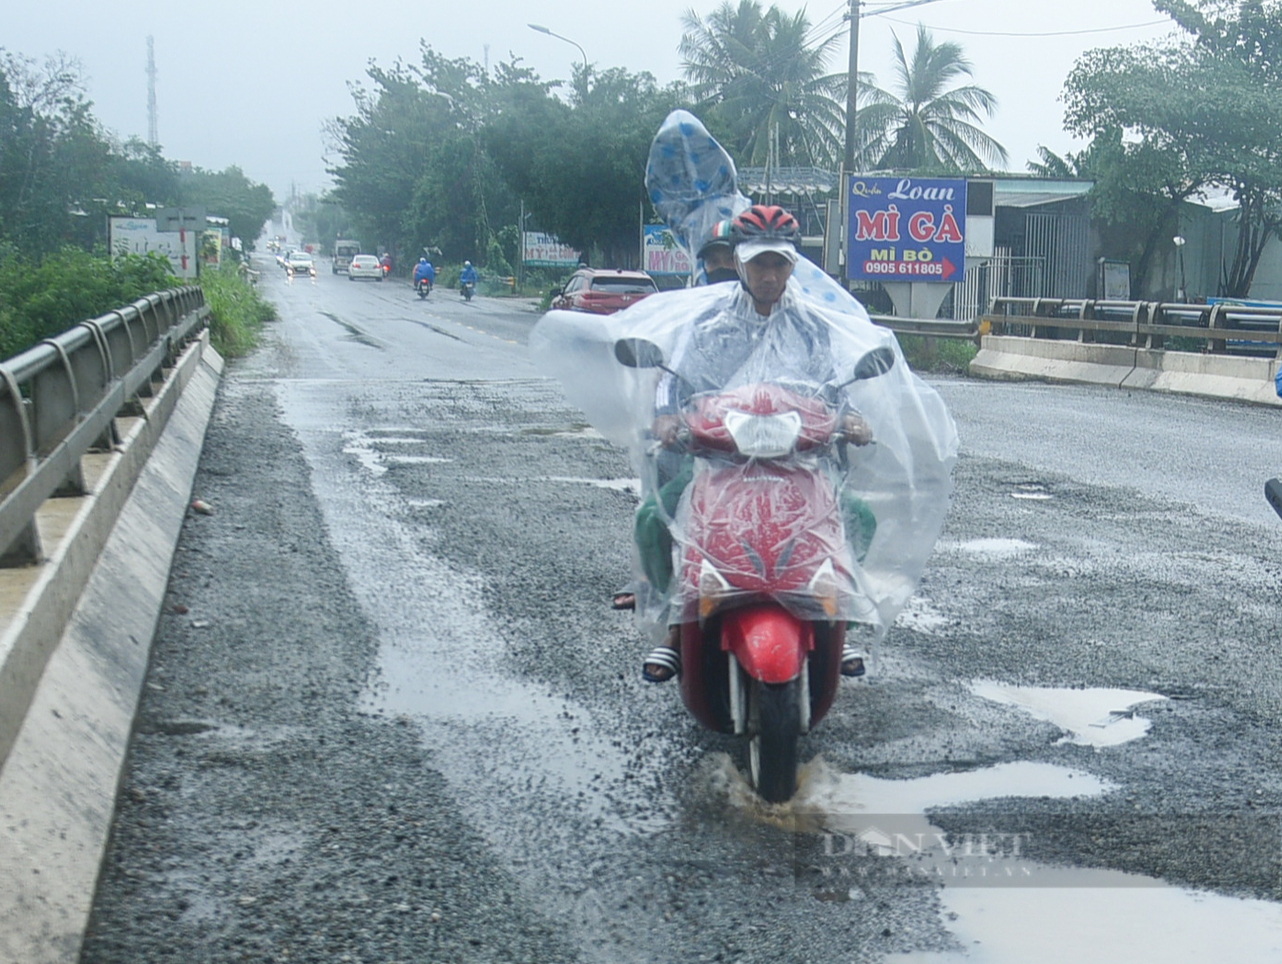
(139, 236)
(539, 250)
(661, 254)
(906, 229)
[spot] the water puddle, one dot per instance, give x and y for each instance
(366, 450)
(998, 905)
(1090, 717)
(992, 548)
(632, 486)
(919, 615)
(415, 460)
(1034, 491)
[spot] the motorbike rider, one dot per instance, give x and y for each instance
(386, 262)
(423, 271)
(468, 275)
(758, 318)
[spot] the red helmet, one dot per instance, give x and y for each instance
(763, 222)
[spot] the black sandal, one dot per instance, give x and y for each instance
(623, 600)
(668, 661)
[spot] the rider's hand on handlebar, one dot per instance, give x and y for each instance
(855, 429)
(667, 429)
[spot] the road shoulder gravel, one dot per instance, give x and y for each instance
(263, 815)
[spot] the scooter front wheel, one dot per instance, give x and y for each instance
(774, 712)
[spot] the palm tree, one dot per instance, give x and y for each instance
(759, 77)
(926, 125)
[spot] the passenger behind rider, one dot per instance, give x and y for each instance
(760, 315)
(423, 271)
(716, 257)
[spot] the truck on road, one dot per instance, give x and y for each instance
(344, 251)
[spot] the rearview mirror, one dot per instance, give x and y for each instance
(876, 362)
(638, 353)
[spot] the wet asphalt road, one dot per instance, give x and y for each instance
(397, 721)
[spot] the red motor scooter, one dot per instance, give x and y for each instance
(765, 570)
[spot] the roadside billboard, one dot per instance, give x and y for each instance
(139, 236)
(541, 250)
(906, 229)
(661, 254)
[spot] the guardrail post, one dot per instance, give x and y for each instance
(1212, 324)
(17, 462)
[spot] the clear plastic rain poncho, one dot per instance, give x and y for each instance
(713, 343)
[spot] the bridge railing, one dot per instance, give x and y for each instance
(1219, 328)
(59, 401)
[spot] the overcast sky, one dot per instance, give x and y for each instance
(250, 83)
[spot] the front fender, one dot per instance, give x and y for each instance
(770, 643)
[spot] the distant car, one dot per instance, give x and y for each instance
(300, 263)
(603, 291)
(364, 266)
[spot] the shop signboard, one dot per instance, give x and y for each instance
(139, 236)
(540, 250)
(661, 254)
(906, 229)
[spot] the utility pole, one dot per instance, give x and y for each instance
(153, 133)
(852, 87)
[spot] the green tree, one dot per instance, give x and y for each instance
(229, 194)
(757, 78)
(1203, 109)
(52, 155)
(926, 123)
(413, 171)
(580, 167)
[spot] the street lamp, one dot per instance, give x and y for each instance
(535, 26)
(1183, 294)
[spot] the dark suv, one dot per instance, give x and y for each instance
(604, 291)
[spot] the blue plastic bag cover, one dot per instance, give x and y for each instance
(691, 180)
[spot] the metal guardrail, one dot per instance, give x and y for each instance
(59, 400)
(1225, 328)
(930, 327)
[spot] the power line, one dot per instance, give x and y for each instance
(1053, 33)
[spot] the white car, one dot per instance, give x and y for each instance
(299, 263)
(364, 266)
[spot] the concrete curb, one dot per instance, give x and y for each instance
(59, 781)
(1185, 373)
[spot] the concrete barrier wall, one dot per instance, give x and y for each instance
(1187, 373)
(90, 612)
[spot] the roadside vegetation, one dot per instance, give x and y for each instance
(938, 356)
(42, 298)
(237, 312)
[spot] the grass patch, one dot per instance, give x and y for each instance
(236, 311)
(942, 356)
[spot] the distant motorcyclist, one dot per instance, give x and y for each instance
(468, 275)
(386, 262)
(423, 271)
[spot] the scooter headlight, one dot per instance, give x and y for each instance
(764, 436)
(825, 588)
(713, 589)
